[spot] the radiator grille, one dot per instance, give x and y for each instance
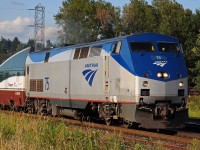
(36, 85)
(32, 85)
(40, 85)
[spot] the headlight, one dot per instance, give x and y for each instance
(165, 75)
(159, 74)
(145, 83)
(181, 84)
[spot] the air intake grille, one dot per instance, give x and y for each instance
(36, 85)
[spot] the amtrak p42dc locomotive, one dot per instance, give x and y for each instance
(137, 79)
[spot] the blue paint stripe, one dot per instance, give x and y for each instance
(86, 71)
(92, 78)
(89, 75)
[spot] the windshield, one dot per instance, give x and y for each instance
(142, 46)
(168, 47)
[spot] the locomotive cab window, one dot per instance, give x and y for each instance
(95, 51)
(168, 47)
(77, 52)
(84, 52)
(142, 46)
(116, 47)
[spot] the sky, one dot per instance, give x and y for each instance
(15, 17)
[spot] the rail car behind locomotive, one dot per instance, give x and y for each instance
(12, 80)
(140, 78)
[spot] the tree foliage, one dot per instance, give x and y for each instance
(138, 17)
(170, 16)
(196, 58)
(87, 20)
(15, 43)
(8, 47)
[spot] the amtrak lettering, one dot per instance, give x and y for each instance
(91, 65)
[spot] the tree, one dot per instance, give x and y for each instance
(49, 44)
(20, 47)
(196, 69)
(138, 17)
(196, 79)
(86, 20)
(170, 16)
(108, 18)
(5, 45)
(14, 44)
(30, 43)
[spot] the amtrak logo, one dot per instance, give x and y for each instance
(160, 63)
(89, 75)
(159, 60)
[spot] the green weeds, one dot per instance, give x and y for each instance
(194, 106)
(21, 133)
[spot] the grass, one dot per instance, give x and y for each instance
(22, 133)
(194, 106)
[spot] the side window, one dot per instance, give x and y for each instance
(116, 47)
(76, 54)
(1, 76)
(84, 52)
(95, 51)
(6, 75)
(12, 73)
(18, 73)
(47, 57)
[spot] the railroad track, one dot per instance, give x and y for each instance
(189, 135)
(193, 123)
(192, 129)
(181, 140)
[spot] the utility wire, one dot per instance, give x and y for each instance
(48, 12)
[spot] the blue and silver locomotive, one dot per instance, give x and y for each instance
(137, 79)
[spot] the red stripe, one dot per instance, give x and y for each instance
(85, 100)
